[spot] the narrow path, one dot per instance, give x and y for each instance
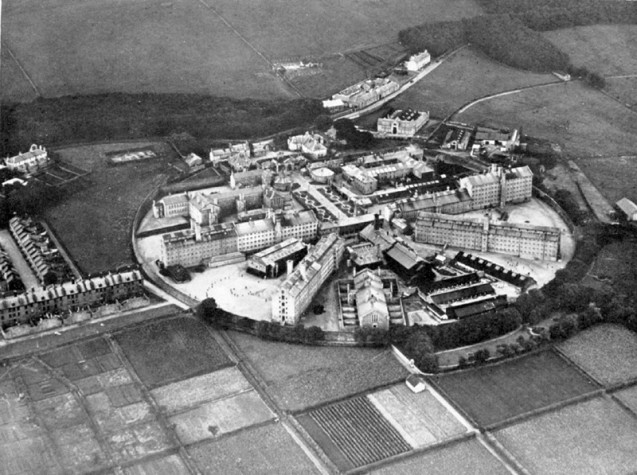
(622, 76)
(250, 45)
(22, 70)
(62, 250)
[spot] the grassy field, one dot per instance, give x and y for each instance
(94, 222)
(420, 418)
(584, 121)
(609, 50)
(493, 394)
(607, 352)
(171, 350)
(170, 464)
(464, 457)
(300, 377)
(623, 89)
(629, 397)
(267, 449)
(615, 177)
(13, 84)
(596, 436)
(466, 76)
(147, 46)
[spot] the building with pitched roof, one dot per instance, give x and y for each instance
(371, 303)
(36, 157)
(403, 123)
(299, 288)
(275, 260)
(418, 61)
(628, 209)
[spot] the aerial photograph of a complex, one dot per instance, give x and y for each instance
(318, 237)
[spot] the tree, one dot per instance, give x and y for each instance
(418, 343)
(50, 278)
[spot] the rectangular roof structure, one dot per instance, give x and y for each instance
(627, 207)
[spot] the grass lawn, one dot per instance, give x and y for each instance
(607, 352)
(596, 436)
(267, 449)
(493, 394)
(623, 89)
(94, 222)
(584, 121)
(629, 397)
(171, 350)
(609, 50)
(302, 376)
(470, 457)
(614, 177)
(466, 76)
(147, 46)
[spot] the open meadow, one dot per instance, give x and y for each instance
(265, 449)
(299, 376)
(465, 76)
(614, 177)
(606, 352)
(610, 50)
(493, 394)
(468, 456)
(592, 437)
(143, 46)
(94, 222)
(171, 350)
(585, 122)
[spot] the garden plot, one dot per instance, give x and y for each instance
(596, 436)
(606, 352)
(169, 465)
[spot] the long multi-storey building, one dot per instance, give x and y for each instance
(300, 287)
(523, 240)
(35, 158)
(59, 298)
(404, 123)
(366, 92)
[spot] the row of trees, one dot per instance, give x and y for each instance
(510, 33)
(128, 116)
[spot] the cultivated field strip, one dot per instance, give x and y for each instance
(360, 431)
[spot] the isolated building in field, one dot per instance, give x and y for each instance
(402, 123)
(523, 240)
(300, 287)
(36, 157)
(418, 61)
(628, 209)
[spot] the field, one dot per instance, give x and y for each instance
(624, 89)
(615, 177)
(596, 436)
(464, 457)
(609, 50)
(12, 82)
(170, 465)
(465, 76)
(353, 433)
(420, 418)
(606, 352)
(582, 120)
(147, 46)
(629, 397)
(493, 394)
(267, 449)
(171, 350)
(94, 223)
(299, 377)
(222, 48)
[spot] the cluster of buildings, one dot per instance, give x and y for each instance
(462, 136)
(372, 171)
(299, 288)
(522, 240)
(28, 162)
(9, 278)
(309, 144)
(56, 299)
(495, 188)
(402, 123)
(35, 245)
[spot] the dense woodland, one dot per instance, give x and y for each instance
(117, 116)
(510, 32)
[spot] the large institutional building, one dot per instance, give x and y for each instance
(402, 123)
(495, 188)
(300, 287)
(366, 92)
(523, 240)
(58, 298)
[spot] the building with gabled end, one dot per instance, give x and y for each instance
(36, 157)
(418, 61)
(299, 288)
(366, 92)
(69, 295)
(371, 303)
(308, 143)
(277, 259)
(402, 123)
(628, 209)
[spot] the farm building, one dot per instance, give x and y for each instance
(418, 61)
(415, 383)
(35, 158)
(628, 209)
(506, 141)
(402, 123)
